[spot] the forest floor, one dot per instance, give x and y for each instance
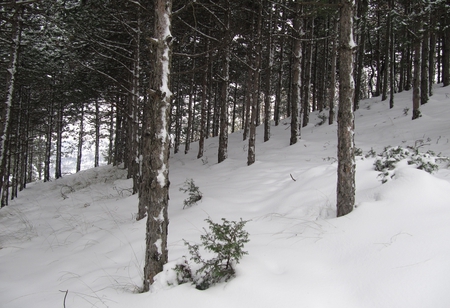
(74, 242)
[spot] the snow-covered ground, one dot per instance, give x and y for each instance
(77, 237)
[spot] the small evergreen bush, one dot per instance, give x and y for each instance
(387, 161)
(226, 241)
(194, 193)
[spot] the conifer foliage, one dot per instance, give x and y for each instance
(226, 241)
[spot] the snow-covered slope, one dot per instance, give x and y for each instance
(75, 241)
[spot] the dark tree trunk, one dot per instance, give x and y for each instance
(346, 154)
(97, 134)
(268, 84)
(223, 136)
(364, 4)
(154, 192)
(80, 139)
(59, 130)
(416, 80)
(307, 76)
(5, 108)
(332, 93)
(296, 76)
(387, 60)
(424, 67)
(446, 53)
(255, 97)
(204, 106)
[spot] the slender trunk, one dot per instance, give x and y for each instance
(5, 108)
(203, 132)
(424, 67)
(280, 72)
(233, 120)
(223, 136)
(97, 135)
(392, 70)
(80, 139)
(154, 192)
(416, 80)
(248, 101)
(446, 53)
(387, 60)
(431, 67)
(189, 128)
(59, 129)
(111, 135)
(361, 51)
(332, 93)
(251, 157)
(307, 81)
(296, 77)
(346, 154)
(378, 58)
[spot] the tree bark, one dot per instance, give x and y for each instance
(223, 135)
(296, 77)
(154, 192)
(416, 80)
(332, 93)
(80, 139)
(251, 157)
(364, 4)
(346, 154)
(5, 108)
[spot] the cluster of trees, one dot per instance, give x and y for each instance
(73, 68)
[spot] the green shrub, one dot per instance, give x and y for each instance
(226, 241)
(387, 161)
(194, 193)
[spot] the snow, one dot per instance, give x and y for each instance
(79, 234)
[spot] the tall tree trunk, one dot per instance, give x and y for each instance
(364, 4)
(424, 67)
(251, 157)
(332, 93)
(391, 69)
(97, 134)
(378, 58)
(111, 135)
(346, 150)
(80, 139)
(189, 128)
(416, 79)
(154, 192)
(387, 60)
(279, 84)
(307, 74)
(225, 79)
(432, 56)
(296, 76)
(203, 132)
(59, 130)
(446, 51)
(268, 79)
(5, 108)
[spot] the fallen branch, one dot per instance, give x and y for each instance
(292, 178)
(65, 296)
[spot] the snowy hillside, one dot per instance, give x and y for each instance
(75, 241)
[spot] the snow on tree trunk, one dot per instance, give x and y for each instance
(346, 155)
(5, 109)
(223, 135)
(296, 77)
(154, 192)
(251, 157)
